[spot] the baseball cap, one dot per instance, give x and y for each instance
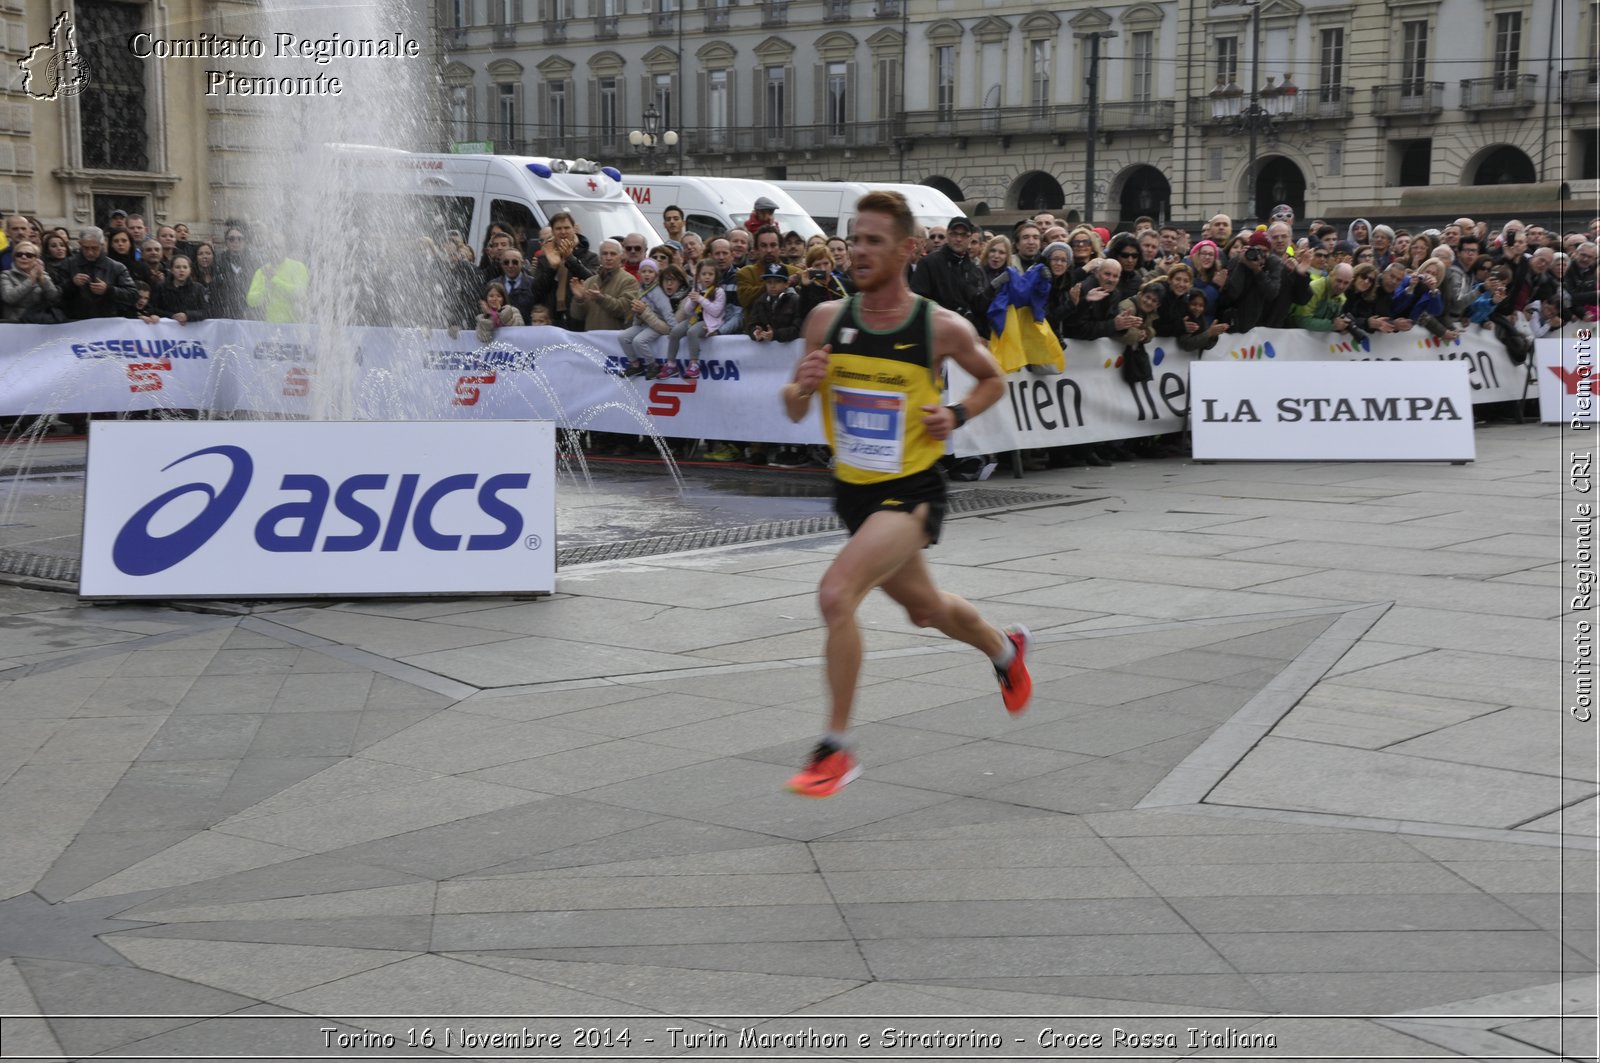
(119, 214)
(763, 203)
(775, 272)
(959, 223)
(674, 245)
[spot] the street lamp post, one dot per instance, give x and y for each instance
(646, 140)
(1094, 38)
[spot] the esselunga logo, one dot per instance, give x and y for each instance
(387, 510)
(136, 348)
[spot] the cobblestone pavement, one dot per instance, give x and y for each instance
(1298, 768)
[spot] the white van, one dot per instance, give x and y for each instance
(713, 205)
(440, 194)
(833, 203)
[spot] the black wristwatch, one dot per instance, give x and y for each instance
(960, 410)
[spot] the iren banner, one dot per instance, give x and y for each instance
(574, 380)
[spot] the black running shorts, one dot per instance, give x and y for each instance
(856, 502)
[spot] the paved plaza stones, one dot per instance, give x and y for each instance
(1296, 750)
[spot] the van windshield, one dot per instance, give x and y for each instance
(603, 219)
(800, 223)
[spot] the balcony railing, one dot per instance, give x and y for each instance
(716, 19)
(505, 34)
(722, 140)
(1580, 86)
(774, 12)
(993, 121)
(555, 32)
(1318, 103)
(1134, 115)
(836, 10)
(1501, 93)
(663, 23)
(605, 27)
(1408, 99)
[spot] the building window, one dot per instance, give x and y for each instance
(661, 95)
(776, 99)
(506, 112)
(1227, 51)
(1507, 49)
(838, 99)
(1144, 44)
(1413, 58)
(556, 119)
(1587, 147)
(460, 114)
(717, 107)
(458, 14)
(888, 87)
(1336, 158)
(510, 14)
(1410, 162)
(1330, 69)
(1214, 163)
(1039, 73)
(944, 64)
(610, 107)
(112, 105)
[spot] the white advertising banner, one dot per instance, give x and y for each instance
(575, 379)
(1330, 411)
(1566, 378)
(245, 509)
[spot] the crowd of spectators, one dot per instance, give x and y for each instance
(1149, 283)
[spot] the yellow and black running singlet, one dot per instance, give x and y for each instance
(873, 395)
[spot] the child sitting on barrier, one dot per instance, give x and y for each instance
(652, 317)
(699, 318)
(496, 313)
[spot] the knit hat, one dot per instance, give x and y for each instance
(1259, 239)
(1044, 256)
(1198, 244)
(1104, 234)
(649, 265)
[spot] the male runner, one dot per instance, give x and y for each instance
(875, 359)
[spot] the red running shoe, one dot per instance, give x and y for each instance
(1016, 685)
(826, 773)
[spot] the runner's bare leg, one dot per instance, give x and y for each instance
(912, 586)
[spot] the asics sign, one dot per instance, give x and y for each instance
(296, 508)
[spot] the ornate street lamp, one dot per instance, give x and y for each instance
(646, 140)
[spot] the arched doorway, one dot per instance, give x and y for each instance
(1037, 190)
(1505, 165)
(945, 185)
(1279, 180)
(1145, 190)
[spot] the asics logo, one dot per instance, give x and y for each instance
(138, 553)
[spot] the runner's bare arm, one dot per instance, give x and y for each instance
(812, 369)
(956, 339)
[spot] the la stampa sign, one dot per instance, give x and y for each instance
(229, 509)
(1331, 411)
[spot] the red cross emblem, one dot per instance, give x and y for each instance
(592, 185)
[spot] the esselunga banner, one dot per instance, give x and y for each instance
(575, 379)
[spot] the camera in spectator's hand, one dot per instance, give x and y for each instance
(818, 274)
(1354, 331)
(1254, 254)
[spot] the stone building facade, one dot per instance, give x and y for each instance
(1360, 106)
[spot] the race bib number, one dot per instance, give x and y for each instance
(869, 429)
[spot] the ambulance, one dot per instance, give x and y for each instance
(833, 203)
(439, 195)
(713, 205)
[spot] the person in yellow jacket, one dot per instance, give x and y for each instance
(281, 289)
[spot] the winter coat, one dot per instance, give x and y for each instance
(709, 308)
(780, 312)
(81, 304)
(612, 306)
(25, 300)
(489, 322)
(1323, 309)
(190, 300)
(657, 314)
